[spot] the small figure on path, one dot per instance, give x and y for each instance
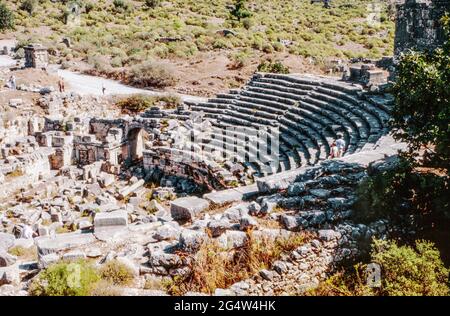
(12, 82)
(61, 85)
(340, 144)
(103, 89)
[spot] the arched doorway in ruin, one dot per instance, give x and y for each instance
(136, 139)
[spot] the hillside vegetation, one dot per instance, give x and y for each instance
(113, 35)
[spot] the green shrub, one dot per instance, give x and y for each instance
(406, 196)
(65, 279)
(6, 17)
(122, 5)
(116, 272)
(29, 6)
(138, 103)
(152, 74)
(240, 11)
(152, 3)
(89, 6)
(273, 67)
(135, 103)
(239, 60)
(424, 78)
(405, 271)
(408, 271)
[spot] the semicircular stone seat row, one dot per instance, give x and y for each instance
(309, 113)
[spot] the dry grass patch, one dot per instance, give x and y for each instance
(213, 267)
(105, 288)
(24, 253)
(116, 273)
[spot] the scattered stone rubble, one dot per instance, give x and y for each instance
(83, 181)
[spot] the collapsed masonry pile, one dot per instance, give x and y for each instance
(318, 200)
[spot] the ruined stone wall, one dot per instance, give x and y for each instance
(418, 24)
(172, 162)
(36, 56)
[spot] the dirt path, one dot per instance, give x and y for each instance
(91, 85)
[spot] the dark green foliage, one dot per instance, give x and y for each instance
(122, 5)
(29, 6)
(116, 273)
(406, 196)
(405, 271)
(139, 103)
(273, 67)
(65, 279)
(6, 17)
(152, 3)
(240, 11)
(89, 6)
(421, 114)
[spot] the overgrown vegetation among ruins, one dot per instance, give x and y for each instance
(139, 103)
(214, 267)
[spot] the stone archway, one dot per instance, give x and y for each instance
(136, 143)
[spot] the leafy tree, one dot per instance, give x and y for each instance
(405, 196)
(6, 17)
(239, 11)
(421, 114)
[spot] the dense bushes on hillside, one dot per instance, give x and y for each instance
(153, 74)
(184, 28)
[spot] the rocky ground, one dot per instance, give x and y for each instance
(159, 230)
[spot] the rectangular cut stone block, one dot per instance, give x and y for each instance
(232, 195)
(111, 219)
(187, 208)
(49, 244)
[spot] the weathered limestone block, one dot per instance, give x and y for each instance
(167, 231)
(9, 275)
(188, 208)
(112, 219)
(124, 192)
(47, 260)
(166, 260)
(191, 240)
(235, 213)
(74, 255)
(49, 244)
(6, 259)
(232, 239)
(6, 241)
(218, 227)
